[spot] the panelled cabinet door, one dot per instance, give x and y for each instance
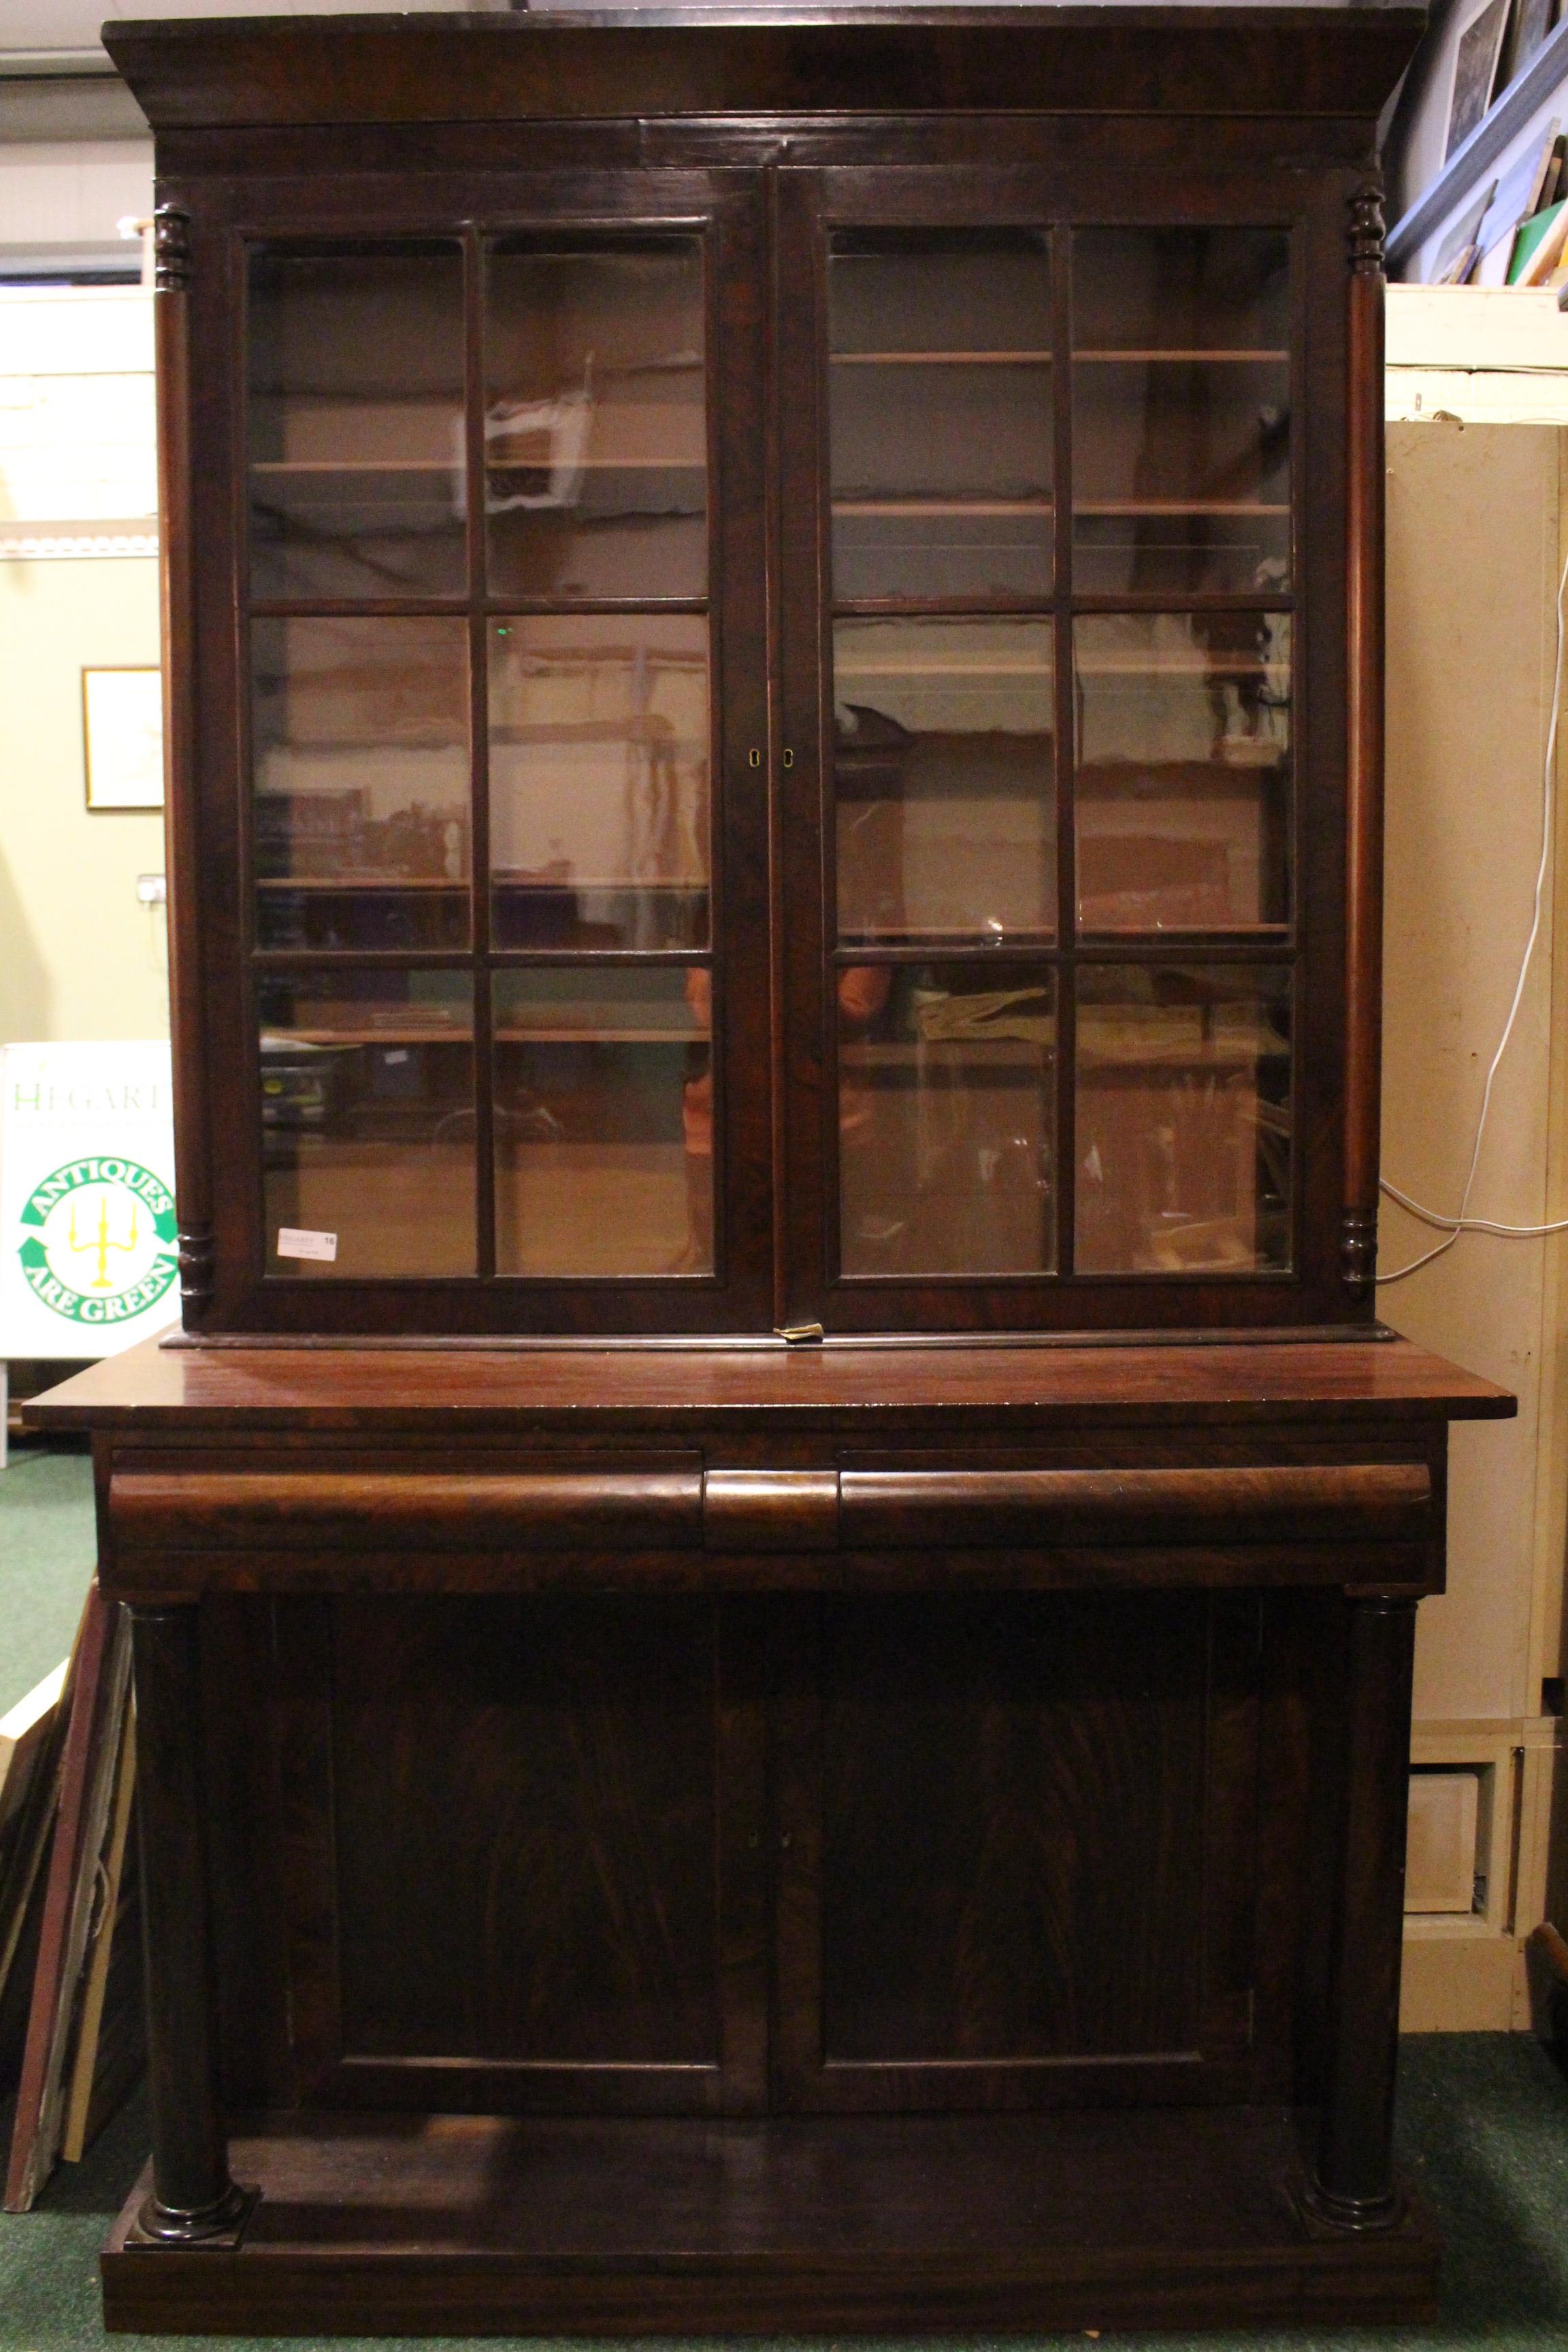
(1019, 1851)
(1060, 882)
(524, 1867)
(504, 1059)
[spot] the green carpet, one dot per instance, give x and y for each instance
(1483, 2117)
(46, 1555)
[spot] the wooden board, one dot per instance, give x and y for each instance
(971, 1383)
(1173, 2217)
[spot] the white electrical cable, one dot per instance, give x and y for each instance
(1463, 1223)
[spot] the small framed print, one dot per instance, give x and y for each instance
(1531, 24)
(1475, 71)
(122, 734)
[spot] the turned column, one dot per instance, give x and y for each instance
(182, 854)
(1354, 2183)
(194, 2200)
(1364, 747)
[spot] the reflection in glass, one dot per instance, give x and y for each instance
(368, 1120)
(603, 1121)
(1184, 1120)
(1181, 410)
(946, 1119)
(1183, 771)
(596, 429)
(939, 408)
(357, 466)
(945, 779)
(599, 767)
(361, 779)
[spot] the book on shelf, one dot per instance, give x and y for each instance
(1456, 254)
(1538, 247)
(77, 1907)
(1541, 166)
(1493, 224)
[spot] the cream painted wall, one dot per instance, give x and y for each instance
(79, 957)
(69, 192)
(1475, 539)
(1473, 534)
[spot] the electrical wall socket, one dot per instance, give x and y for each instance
(151, 890)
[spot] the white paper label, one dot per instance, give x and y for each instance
(292, 1243)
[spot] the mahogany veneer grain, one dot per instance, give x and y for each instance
(856, 1390)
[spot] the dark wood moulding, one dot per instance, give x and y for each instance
(1301, 62)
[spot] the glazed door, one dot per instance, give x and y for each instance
(1057, 839)
(495, 786)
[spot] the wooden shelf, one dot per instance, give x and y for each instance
(1185, 358)
(599, 465)
(977, 670)
(958, 2222)
(940, 358)
(356, 466)
(578, 1033)
(630, 887)
(450, 466)
(1177, 507)
(935, 507)
(346, 883)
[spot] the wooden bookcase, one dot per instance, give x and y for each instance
(774, 1574)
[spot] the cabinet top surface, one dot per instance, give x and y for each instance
(1322, 60)
(446, 1389)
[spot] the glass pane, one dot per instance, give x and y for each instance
(599, 735)
(946, 1119)
(361, 763)
(1184, 775)
(357, 468)
(1181, 410)
(595, 422)
(1184, 1120)
(603, 1121)
(940, 398)
(944, 761)
(367, 1122)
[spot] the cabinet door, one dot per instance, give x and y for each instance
(1020, 1852)
(502, 1059)
(521, 1853)
(1057, 838)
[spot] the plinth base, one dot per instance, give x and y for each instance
(485, 2226)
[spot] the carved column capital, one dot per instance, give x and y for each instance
(1365, 230)
(171, 249)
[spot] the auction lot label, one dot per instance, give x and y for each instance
(89, 1261)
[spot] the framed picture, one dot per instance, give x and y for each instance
(122, 733)
(1531, 23)
(1475, 70)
